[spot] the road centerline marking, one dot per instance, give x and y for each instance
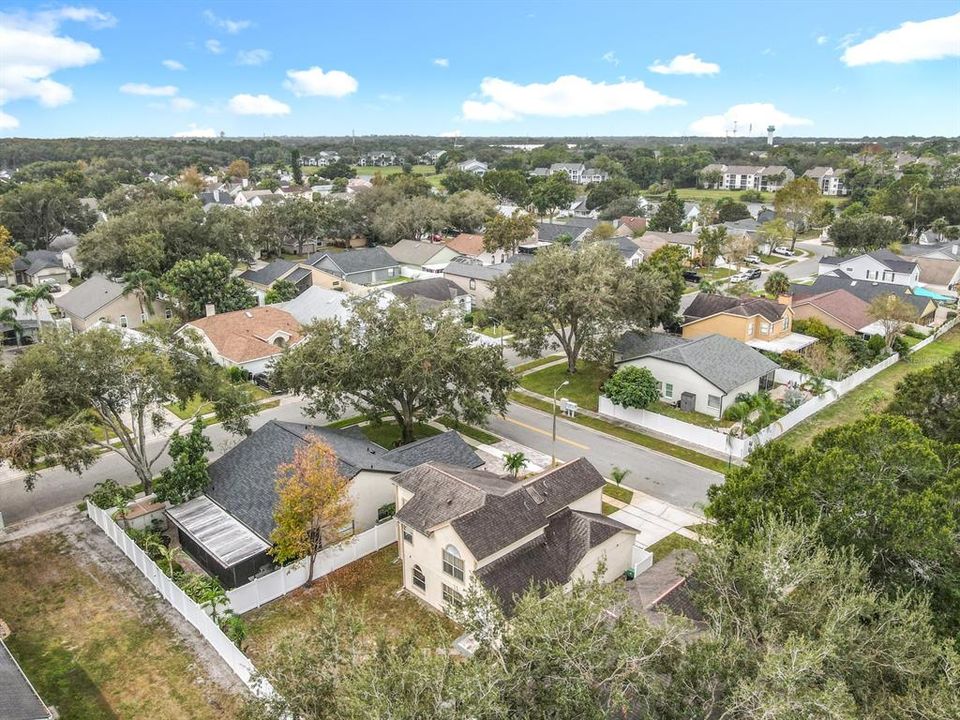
(544, 432)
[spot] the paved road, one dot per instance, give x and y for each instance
(675, 481)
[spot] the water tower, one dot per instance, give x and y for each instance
(770, 131)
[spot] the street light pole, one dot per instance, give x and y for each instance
(553, 445)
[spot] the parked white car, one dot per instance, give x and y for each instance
(752, 259)
(784, 250)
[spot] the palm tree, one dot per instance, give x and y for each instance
(618, 475)
(31, 296)
(8, 316)
(754, 412)
(515, 462)
(146, 286)
(939, 226)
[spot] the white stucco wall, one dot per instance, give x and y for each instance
(616, 554)
(683, 380)
(370, 491)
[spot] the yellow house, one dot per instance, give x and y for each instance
(758, 322)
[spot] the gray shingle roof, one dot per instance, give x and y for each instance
(633, 345)
(549, 232)
(675, 238)
(447, 447)
(705, 305)
(894, 262)
(439, 288)
(18, 699)
(412, 252)
(33, 261)
(866, 290)
(88, 297)
(269, 274)
(722, 361)
(477, 272)
(356, 261)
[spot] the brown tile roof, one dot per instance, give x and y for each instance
(845, 307)
(634, 223)
(241, 336)
(467, 244)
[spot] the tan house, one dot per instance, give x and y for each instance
(457, 525)
(248, 339)
(475, 279)
(100, 298)
(840, 310)
(472, 246)
(758, 322)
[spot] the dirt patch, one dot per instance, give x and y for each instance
(96, 638)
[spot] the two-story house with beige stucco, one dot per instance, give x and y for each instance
(457, 526)
(758, 322)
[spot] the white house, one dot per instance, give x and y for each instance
(421, 259)
(472, 166)
(829, 180)
(457, 525)
(704, 374)
(878, 266)
(767, 178)
(578, 173)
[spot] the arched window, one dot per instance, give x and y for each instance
(452, 562)
(418, 579)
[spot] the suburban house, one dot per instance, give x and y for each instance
(578, 173)
(747, 177)
(549, 232)
(475, 279)
(35, 267)
(324, 158)
(655, 240)
(227, 529)
(421, 258)
(365, 266)
(631, 225)
(248, 339)
(829, 180)
(381, 158)
(627, 247)
(925, 307)
(758, 322)
(879, 265)
(472, 246)
(704, 375)
(431, 156)
(457, 525)
(939, 264)
(18, 698)
(263, 279)
(100, 298)
(30, 322)
(433, 292)
(472, 166)
(255, 198)
(840, 310)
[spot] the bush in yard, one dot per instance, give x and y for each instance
(632, 387)
(110, 494)
(188, 476)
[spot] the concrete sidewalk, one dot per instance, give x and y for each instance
(655, 519)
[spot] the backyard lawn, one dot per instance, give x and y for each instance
(387, 434)
(874, 394)
(93, 645)
(672, 542)
(694, 418)
(584, 387)
(369, 584)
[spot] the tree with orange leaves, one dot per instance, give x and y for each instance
(313, 503)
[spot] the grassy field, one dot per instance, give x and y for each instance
(874, 394)
(618, 492)
(369, 584)
(584, 387)
(387, 434)
(92, 645)
(698, 194)
(670, 543)
(638, 438)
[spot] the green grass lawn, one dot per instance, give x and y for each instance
(608, 509)
(369, 584)
(694, 418)
(347, 421)
(638, 438)
(880, 388)
(670, 543)
(196, 403)
(713, 195)
(584, 387)
(715, 273)
(618, 492)
(478, 434)
(494, 331)
(94, 645)
(531, 364)
(387, 434)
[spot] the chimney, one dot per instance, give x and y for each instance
(210, 309)
(785, 300)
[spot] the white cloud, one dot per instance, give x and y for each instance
(927, 40)
(151, 90)
(441, 62)
(611, 57)
(225, 24)
(196, 132)
(173, 65)
(688, 64)
(214, 46)
(314, 81)
(567, 96)
(822, 39)
(244, 104)
(743, 117)
(33, 50)
(253, 57)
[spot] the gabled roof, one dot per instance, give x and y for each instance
(356, 261)
(672, 238)
(845, 307)
(468, 244)
(883, 256)
(866, 290)
(477, 272)
(743, 169)
(269, 274)
(447, 447)
(89, 297)
(705, 305)
(18, 699)
(436, 289)
(489, 512)
(33, 261)
(317, 303)
(725, 363)
(634, 222)
(413, 252)
(549, 232)
(242, 335)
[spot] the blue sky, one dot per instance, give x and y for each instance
(494, 68)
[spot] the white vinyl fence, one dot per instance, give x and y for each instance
(194, 614)
(280, 582)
